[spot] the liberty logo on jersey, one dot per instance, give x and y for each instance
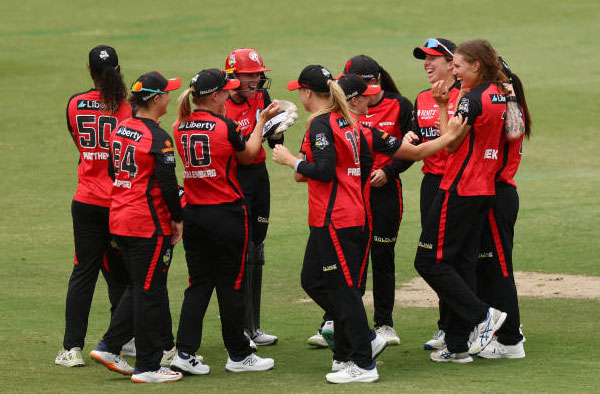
(498, 98)
(90, 104)
(129, 133)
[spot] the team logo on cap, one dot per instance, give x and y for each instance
(253, 56)
(232, 60)
(326, 72)
(104, 55)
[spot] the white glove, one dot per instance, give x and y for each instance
(287, 116)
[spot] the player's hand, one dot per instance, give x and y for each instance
(177, 231)
(378, 178)
(269, 112)
(411, 138)
(440, 93)
(282, 155)
(457, 126)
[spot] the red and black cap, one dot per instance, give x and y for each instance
(435, 47)
(354, 86)
(313, 77)
(153, 83)
(102, 57)
(363, 66)
(211, 80)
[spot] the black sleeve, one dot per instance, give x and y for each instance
(322, 168)
(164, 163)
(111, 166)
(415, 122)
(405, 117)
(235, 136)
(385, 143)
(469, 106)
(366, 160)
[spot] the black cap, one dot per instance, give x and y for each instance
(313, 77)
(363, 66)
(354, 86)
(211, 80)
(101, 57)
(435, 47)
(153, 83)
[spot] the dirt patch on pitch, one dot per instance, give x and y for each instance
(416, 293)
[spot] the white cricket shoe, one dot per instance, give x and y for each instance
(389, 334)
(129, 348)
(191, 365)
(378, 345)
(446, 356)
(327, 332)
(261, 338)
(317, 340)
(163, 375)
(353, 374)
(437, 342)
(249, 364)
(70, 358)
(168, 355)
(497, 350)
(485, 330)
(113, 362)
(338, 365)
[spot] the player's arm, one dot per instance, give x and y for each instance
(514, 126)
(164, 171)
(254, 143)
(71, 131)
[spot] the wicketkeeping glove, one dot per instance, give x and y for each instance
(274, 128)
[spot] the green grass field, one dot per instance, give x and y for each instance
(552, 45)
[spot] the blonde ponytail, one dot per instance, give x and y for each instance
(184, 109)
(337, 103)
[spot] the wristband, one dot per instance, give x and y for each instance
(511, 98)
(297, 164)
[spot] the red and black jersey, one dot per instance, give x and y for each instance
(144, 195)
(471, 170)
(378, 142)
(245, 115)
(426, 113)
(91, 125)
(392, 114)
(511, 152)
(206, 143)
(334, 162)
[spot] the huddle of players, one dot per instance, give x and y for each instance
(216, 219)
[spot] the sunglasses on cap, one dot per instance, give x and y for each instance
(138, 88)
(434, 43)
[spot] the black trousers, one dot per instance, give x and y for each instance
(429, 189)
(254, 180)
(144, 309)
(330, 275)
(94, 252)
(496, 282)
(215, 238)
(447, 259)
(386, 208)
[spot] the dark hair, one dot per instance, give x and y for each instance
(483, 52)
(519, 92)
(137, 101)
(112, 88)
(386, 82)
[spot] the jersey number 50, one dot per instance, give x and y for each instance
(92, 133)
